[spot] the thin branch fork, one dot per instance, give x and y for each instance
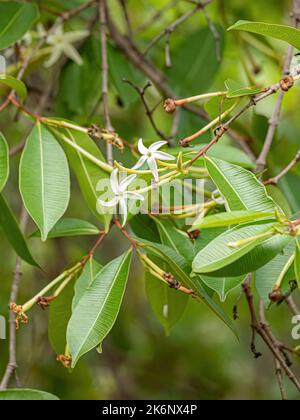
(273, 124)
(171, 28)
(149, 112)
(275, 180)
(260, 329)
(105, 68)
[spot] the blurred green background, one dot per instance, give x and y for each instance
(201, 359)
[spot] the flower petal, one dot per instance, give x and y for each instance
(153, 167)
(114, 181)
(163, 156)
(123, 210)
(157, 145)
(140, 163)
(142, 149)
(54, 57)
(72, 53)
(124, 184)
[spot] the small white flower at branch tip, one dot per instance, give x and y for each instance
(121, 193)
(151, 155)
(62, 44)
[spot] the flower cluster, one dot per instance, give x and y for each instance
(150, 156)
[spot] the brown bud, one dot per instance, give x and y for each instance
(194, 234)
(287, 83)
(170, 106)
(173, 283)
(64, 360)
(184, 143)
(276, 296)
(43, 302)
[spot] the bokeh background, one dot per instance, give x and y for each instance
(200, 359)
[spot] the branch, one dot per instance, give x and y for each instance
(12, 363)
(149, 112)
(171, 28)
(261, 328)
(273, 123)
(275, 180)
(108, 125)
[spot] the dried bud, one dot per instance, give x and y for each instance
(43, 302)
(287, 83)
(66, 361)
(194, 234)
(173, 283)
(184, 143)
(170, 106)
(276, 296)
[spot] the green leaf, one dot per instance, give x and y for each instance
(70, 227)
(13, 233)
(267, 276)
(281, 32)
(97, 310)
(59, 316)
(144, 227)
(232, 218)
(62, 307)
(4, 162)
(80, 86)
(15, 84)
(44, 179)
(15, 20)
(235, 90)
(179, 270)
(26, 394)
(175, 239)
(120, 69)
(87, 173)
(195, 63)
(218, 254)
(297, 262)
(240, 187)
(224, 285)
(167, 304)
(86, 279)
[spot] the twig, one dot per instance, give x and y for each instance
(279, 378)
(261, 331)
(273, 123)
(215, 34)
(12, 363)
(149, 112)
(108, 125)
(171, 28)
(292, 305)
(275, 180)
(123, 4)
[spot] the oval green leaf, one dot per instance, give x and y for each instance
(17, 85)
(231, 218)
(97, 310)
(26, 394)
(219, 254)
(13, 233)
(16, 19)
(44, 179)
(240, 188)
(4, 162)
(281, 32)
(70, 227)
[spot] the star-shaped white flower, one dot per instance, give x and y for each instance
(62, 44)
(122, 195)
(150, 155)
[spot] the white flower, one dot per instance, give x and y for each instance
(61, 43)
(120, 190)
(150, 155)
